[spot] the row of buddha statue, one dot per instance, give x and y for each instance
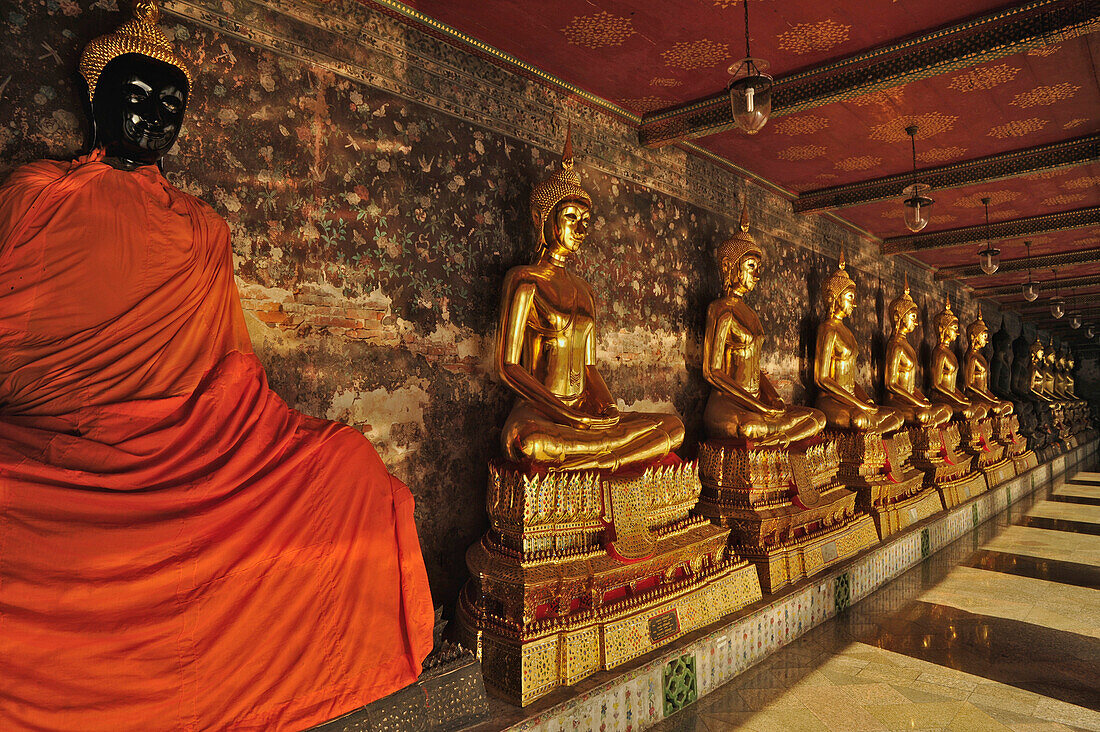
(604, 544)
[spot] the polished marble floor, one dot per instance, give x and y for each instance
(999, 631)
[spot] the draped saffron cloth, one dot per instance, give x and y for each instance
(178, 548)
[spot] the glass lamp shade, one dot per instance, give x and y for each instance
(1031, 292)
(918, 206)
(750, 94)
(1090, 332)
(1057, 306)
(989, 259)
(1075, 322)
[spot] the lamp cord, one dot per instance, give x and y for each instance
(747, 53)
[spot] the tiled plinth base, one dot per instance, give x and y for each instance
(635, 699)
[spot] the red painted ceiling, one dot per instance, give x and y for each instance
(652, 55)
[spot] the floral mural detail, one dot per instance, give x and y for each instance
(598, 31)
(983, 77)
(812, 37)
(1044, 96)
(701, 54)
(1017, 128)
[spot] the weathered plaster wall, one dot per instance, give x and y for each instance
(376, 183)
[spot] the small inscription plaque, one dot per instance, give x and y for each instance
(913, 514)
(828, 552)
(664, 626)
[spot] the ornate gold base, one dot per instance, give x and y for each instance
(959, 491)
(522, 666)
(1025, 461)
(890, 519)
(786, 512)
(887, 485)
(581, 571)
(809, 554)
(1000, 471)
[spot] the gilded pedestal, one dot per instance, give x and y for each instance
(787, 512)
(988, 453)
(947, 469)
(1006, 430)
(583, 571)
(888, 487)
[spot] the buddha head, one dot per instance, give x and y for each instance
(138, 88)
(1049, 354)
(903, 312)
(839, 292)
(978, 332)
(947, 324)
(560, 208)
(740, 259)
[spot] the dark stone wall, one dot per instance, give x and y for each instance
(376, 204)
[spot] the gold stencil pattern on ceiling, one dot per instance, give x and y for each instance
(1017, 128)
(937, 219)
(1043, 96)
(805, 124)
(1076, 122)
(983, 77)
(941, 154)
(699, 54)
(724, 4)
(598, 31)
(1003, 213)
(1085, 181)
(1064, 198)
(861, 162)
(996, 198)
(929, 124)
(801, 152)
(1043, 51)
(811, 37)
(881, 98)
(664, 81)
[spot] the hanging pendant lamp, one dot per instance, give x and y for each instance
(1057, 303)
(918, 206)
(1031, 290)
(750, 89)
(989, 257)
(1075, 319)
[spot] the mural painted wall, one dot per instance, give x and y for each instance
(376, 183)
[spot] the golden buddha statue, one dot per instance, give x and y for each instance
(935, 440)
(743, 402)
(565, 417)
(976, 370)
(1049, 358)
(901, 369)
(875, 453)
(1036, 379)
(590, 516)
(945, 369)
(844, 402)
(765, 470)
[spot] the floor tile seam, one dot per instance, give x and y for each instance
(1063, 565)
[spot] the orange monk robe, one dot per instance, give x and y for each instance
(178, 548)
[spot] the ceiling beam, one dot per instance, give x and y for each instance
(981, 170)
(1046, 286)
(1011, 229)
(964, 271)
(966, 44)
